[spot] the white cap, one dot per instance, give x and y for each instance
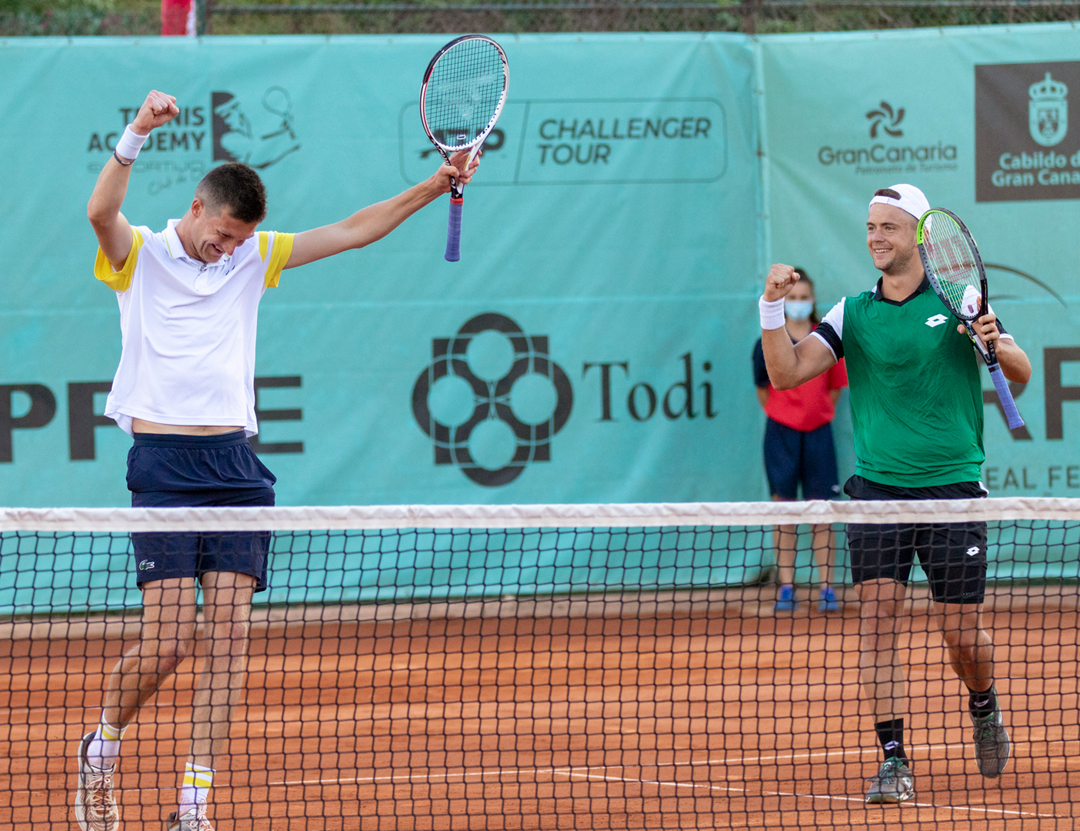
(911, 200)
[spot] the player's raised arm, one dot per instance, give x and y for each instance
(103, 210)
(376, 221)
(789, 364)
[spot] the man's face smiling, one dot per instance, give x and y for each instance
(890, 236)
(215, 235)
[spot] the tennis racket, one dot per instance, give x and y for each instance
(956, 272)
(462, 96)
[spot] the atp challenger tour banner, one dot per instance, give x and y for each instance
(581, 350)
(593, 344)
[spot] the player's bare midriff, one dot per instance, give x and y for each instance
(139, 425)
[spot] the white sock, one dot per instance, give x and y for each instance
(104, 748)
(196, 787)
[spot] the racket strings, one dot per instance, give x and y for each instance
(463, 94)
(952, 266)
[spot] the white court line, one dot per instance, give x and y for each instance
(827, 752)
(583, 773)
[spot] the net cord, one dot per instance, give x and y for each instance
(630, 515)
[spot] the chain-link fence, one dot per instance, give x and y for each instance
(102, 17)
(752, 16)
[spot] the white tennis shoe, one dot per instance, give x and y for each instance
(95, 806)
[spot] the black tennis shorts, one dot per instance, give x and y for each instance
(177, 471)
(953, 554)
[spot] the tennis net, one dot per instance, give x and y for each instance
(552, 667)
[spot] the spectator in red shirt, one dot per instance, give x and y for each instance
(799, 447)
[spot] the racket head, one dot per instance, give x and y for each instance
(463, 93)
(952, 263)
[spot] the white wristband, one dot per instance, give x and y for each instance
(130, 143)
(772, 313)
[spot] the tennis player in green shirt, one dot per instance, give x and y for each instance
(917, 411)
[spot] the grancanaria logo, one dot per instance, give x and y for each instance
(882, 155)
(886, 118)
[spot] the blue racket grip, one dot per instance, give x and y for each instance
(453, 232)
(1012, 416)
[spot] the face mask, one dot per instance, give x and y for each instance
(798, 309)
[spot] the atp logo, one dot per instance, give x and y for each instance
(494, 142)
(887, 119)
(521, 368)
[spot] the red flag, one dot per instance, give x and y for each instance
(178, 17)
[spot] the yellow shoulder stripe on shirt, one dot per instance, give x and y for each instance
(119, 280)
(279, 255)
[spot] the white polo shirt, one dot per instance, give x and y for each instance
(188, 329)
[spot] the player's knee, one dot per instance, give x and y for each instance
(170, 653)
(229, 637)
(878, 614)
(239, 631)
(960, 639)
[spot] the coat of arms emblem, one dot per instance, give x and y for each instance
(1048, 111)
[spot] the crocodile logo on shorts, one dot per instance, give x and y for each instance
(147, 565)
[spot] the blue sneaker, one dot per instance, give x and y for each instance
(828, 602)
(786, 601)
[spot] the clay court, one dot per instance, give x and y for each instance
(702, 711)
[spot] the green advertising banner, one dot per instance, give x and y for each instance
(613, 225)
(979, 119)
(593, 344)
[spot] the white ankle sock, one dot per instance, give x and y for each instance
(104, 748)
(196, 787)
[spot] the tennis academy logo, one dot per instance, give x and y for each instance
(260, 135)
(1024, 146)
(492, 399)
(256, 129)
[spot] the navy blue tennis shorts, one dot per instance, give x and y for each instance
(177, 471)
(794, 458)
(953, 554)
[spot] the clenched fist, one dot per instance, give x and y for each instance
(157, 109)
(780, 281)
